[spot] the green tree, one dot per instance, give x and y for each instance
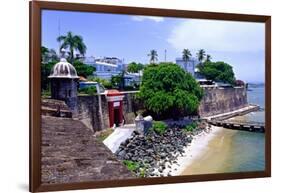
(168, 91)
(45, 72)
(218, 71)
(135, 67)
(72, 43)
(106, 83)
(83, 69)
(201, 55)
(118, 81)
(186, 54)
(48, 55)
(153, 56)
(208, 58)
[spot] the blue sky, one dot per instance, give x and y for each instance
(241, 44)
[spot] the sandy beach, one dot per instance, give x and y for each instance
(193, 151)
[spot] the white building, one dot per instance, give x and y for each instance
(188, 66)
(106, 67)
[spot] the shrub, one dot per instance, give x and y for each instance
(131, 165)
(83, 69)
(88, 90)
(190, 127)
(106, 83)
(159, 127)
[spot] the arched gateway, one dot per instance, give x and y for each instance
(115, 107)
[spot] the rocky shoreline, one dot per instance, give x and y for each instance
(154, 154)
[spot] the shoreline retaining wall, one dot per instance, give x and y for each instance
(216, 100)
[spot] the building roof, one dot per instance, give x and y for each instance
(63, 69)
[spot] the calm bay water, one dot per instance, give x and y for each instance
(232, 150)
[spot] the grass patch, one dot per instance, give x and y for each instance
(159, 127)
(104, 134)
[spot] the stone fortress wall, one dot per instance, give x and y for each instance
(87, 111)
(216, 100)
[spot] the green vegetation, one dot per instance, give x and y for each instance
(167, 91)
(92, 90)
(83, 69)
(218, 71)
(186, 54)
(45, 72)
(208, 58)
(72, 43)
(118, 81)
(201, 55)
(159, 127)
(48, 55)
(153, 56)
(107, 84)
(135, 67)
(191, 127)
(131, 165)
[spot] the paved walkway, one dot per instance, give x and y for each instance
(119, 135)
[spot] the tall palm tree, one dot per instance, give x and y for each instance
(73, 43)
(208, 58)
(153, 56)
(186, 54)
(201, 55)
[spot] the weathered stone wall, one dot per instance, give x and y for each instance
(222, 100)
(88, 111)
(215, 101)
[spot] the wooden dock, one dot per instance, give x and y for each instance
(237, 125)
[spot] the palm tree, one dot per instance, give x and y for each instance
(201, 55)
(73, 43)
(153, 56)
(186, 54)
(208, 58)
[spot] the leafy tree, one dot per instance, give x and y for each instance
(118, 81)
(45, 72)
(106, 83)
(218, 71)
(135, 67)
(48, 55)
(153, 56)
(73, 43)
(168, 91)
(201, 55)
(83, 69)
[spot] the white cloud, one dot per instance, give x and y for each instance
(213, 35)
(151, 18)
